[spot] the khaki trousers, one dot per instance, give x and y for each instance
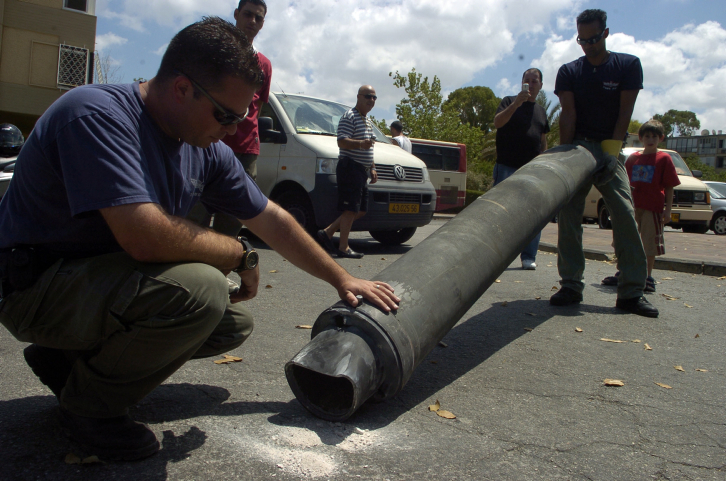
(126, 325)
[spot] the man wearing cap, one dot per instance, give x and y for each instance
(597, 93)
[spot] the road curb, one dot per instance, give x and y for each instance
(716, 269)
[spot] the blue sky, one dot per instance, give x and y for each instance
(328, 48)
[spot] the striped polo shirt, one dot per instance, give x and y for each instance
(354, 126)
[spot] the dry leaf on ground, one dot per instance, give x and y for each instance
(721, 278)
(504, 304)
(497, 281)
(635, 340)
(443, 344)
(383, 258)
(72, 459)
(268, 286)
(679, 368)
(228, 359)
(445, 414)
(611, 340)
(702, 370)
(666, 278)
(518, 282)
(664, 385)
(687, 305)
(613, 382)
(668, 297)
(531, 314)
(273, 271)
(647, 347)
(538, 298)
(435, 407)
(577, 329)
(528, 329)
(303, 326)
(554, 288)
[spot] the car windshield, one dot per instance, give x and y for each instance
(714, 193)
(719, 187)
(317, 116)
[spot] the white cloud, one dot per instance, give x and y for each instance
(107, 40)
(685, 70)
(161, 50)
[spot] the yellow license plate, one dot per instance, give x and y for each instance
(675, 217)
(403, 208)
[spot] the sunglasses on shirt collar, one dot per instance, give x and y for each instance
(591, 40)
(222, 115)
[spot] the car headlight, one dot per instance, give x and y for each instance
(426, 177)
(699, 197)
(326, 166)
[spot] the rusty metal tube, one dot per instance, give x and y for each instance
(362, 353)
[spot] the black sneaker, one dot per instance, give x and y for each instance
(50, 365)
(649, 284)
(565, 296)
(637, 305)
(350, 253)
(114, 439)
(325, 241)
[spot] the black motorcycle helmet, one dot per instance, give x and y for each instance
(11, 140)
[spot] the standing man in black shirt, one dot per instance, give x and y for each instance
(522, 126)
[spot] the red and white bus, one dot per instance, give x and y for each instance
(446, 163)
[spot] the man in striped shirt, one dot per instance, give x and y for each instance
(355, 167)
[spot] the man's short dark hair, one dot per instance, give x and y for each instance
(209, 51)
(593, 15)
(397, 125)
(533, 69)
(652, 126)
(262, 3)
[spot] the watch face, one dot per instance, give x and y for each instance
(253, 258)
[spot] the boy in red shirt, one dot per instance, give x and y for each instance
(652, 178)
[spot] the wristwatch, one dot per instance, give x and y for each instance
(250, 258)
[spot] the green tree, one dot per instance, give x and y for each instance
(707, 172)
(553, 119)
(634, 126)
(475, 106)
(684, 122)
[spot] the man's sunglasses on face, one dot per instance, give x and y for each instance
(591, 40)
(223, 116)
(249, 15)
(370, 97)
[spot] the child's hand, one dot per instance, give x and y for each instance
(666, 218)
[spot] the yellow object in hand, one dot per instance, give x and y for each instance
(611, 147)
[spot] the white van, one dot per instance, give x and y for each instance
(691, 201)
(296, 169)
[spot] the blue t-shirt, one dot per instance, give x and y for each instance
(98, 147)
(597, 91)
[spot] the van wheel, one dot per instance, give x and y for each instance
(695, 228)
(393, 237)
(718, 223)
(298, 205)
(603, 217)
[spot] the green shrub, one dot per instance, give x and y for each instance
(472, 195)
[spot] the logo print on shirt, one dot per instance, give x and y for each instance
(610, 85)
(198, 187)
(643, 173)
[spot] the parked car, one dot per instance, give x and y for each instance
(718, 206)
(296, 169)
(691, 199)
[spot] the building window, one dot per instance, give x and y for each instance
(87, 6)
(72, 66)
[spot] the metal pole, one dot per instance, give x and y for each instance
(360, 353)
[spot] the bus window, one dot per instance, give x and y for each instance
(446, 163)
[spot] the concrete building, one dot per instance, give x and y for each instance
(710, 147)
(46, 48)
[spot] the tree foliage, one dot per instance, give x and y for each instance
(475, 106)
(707, 172)
(107, 72)
(684, 122)
(423, 116)
(634, 126)
(553, 119)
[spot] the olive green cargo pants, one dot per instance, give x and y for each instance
(626, 238)
(127, 325)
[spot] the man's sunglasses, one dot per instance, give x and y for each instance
(370, 96)
(223, 116)
(591, 40)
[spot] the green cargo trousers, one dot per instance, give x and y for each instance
(632, 263)
(126, 325)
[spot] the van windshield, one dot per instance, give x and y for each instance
(317, 116)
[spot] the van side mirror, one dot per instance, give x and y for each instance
(697, 173)
(267, 134)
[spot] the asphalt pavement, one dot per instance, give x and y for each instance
(525, 381)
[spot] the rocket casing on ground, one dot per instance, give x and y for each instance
(362, 353)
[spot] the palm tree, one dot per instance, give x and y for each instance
(553, 119)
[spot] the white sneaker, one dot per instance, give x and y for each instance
(528, 265)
